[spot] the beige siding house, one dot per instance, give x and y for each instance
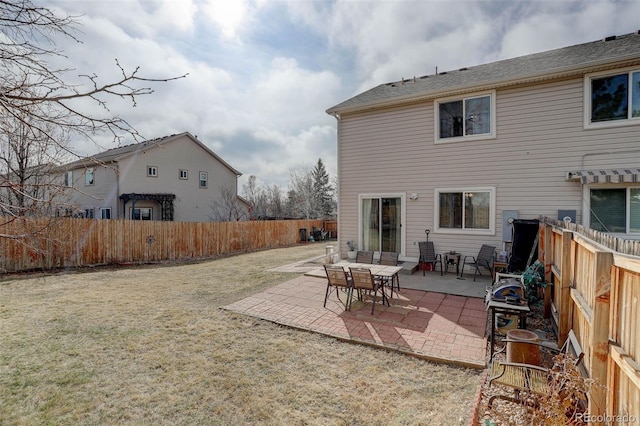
(171, 178)
(555, 134)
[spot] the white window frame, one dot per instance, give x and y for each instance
(465, 231)
(152, 171)
(204, 177)
(68, 179)
(89, 176)
(436, 114)
(131, 212)
(103, 211)
(586, 196)
(183, 174)
(629, 121)
(403, 215)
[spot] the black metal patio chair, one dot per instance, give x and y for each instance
(428, 256)
(484, 259)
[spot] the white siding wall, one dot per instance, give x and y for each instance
(102, 194)
(192, 203)
(540, 137)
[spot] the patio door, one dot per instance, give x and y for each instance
(381, 223)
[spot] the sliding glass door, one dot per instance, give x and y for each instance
(381, 223)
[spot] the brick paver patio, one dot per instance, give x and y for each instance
(435, 326)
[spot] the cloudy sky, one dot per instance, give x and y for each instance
(262, 73)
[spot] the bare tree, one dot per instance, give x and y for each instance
(301, 190)
(44, 108)
(256, 197)
(30, 88)
(275, 202)
(228, 208)
(29, 184)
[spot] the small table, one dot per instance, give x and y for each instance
(497, 307)
(499, 266)
(452, 259)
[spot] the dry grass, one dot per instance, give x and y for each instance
(150, 345)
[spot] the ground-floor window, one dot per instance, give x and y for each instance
(105, 213)
(468, 210)
(615, 210)
(89, 213)
(141, 213)
(381, 223)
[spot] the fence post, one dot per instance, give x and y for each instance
(603, 261)
(544, 255)
(566, 278)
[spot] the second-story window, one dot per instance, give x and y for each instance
(152, 171)
(68, 178)
(203, 179)
(89, 176)
(612, 99)
(184, 174)
(465, 118)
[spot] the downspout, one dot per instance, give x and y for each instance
(337, 117)
(118, 186)
(582, 159)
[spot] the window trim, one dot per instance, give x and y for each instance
(587, 207)
(484, 136)
(403, 215)
(90, 171)
(68, 178)
(186, 174)
(629, 121)
(131, 209)
(465, 231)
(206, 180)
(152, 171)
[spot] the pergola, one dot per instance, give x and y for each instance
(165, 201)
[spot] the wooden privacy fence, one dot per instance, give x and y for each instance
(596, 291)
(66, 242)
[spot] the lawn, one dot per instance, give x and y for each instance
(150, 345)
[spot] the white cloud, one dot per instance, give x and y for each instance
(262, 73)
(228, 16)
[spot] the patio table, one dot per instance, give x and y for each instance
(384, 272)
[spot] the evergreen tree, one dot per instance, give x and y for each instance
(322, 199)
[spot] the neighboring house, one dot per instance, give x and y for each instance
(173, 178)
(555, 134)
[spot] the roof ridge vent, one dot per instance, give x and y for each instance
(610, 38)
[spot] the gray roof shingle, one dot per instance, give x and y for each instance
(124, 151)
(520, 69)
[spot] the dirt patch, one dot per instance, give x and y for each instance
(150, 345)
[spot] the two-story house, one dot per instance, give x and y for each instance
(173, 178)
(458, 153)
